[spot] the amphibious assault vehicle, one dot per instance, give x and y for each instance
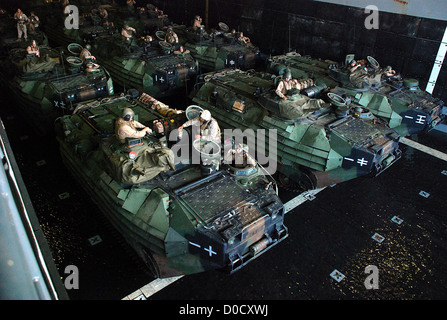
(218, 49)
(149, 66)
(317, 143)
(51, 84)
(181, 216)
(406, 108)
(135, 62)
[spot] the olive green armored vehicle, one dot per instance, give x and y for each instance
(90, 23)
(217, 49)
(182, 216)
(153, 67)
(50, 84)
(136, 60)
(400, 102)
(317, 143)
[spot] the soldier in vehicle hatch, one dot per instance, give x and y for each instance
(172, 38)
(85, 54)
(181, 51)
(239, 157)
(389, 72)
(354, 65)
(33, 50)
(127, 127)
(208, 127)
(243, 39)
(197, 24)
(287, 84)
(128, 33)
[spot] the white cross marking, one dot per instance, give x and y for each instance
(362, 162)
(421, 119)
(232, 62)
(162, 80)
(210, 251)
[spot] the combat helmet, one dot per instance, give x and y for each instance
(205, 115)
(128, 114)
(287, 74)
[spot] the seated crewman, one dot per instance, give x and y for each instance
(128, 32)
(239, 157)
(171, 37)
(127, 127)
(33, 50)
(197, 24)
(389, 72)
(85, 54)
(181, 51)
(243, 39)
(287, 84)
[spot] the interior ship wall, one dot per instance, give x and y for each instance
(325, 30)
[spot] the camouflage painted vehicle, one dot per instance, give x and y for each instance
(406, 108)
(149, 19)
(8, 35)
(180, 217)
(218, 49)
(151, 67)
(90, 23)
(318, 143)
(50, 85)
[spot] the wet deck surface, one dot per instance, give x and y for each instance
(332, 232)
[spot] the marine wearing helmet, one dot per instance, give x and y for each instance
(287, 84)
(127, 127)
(85, 54)
(171, 37)
(205, 127)
(197, 24)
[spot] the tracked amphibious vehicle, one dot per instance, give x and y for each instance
(217, 49)
(180, 217)
(51, 84)
(317, 143)
(151, 67)
(399, 101)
